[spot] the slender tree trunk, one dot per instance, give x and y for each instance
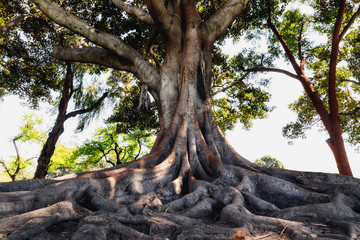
(337, 146)
(49, 146)
(331, 121)
(336, 141)
(48, 150)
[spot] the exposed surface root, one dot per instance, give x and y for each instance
(199, 188)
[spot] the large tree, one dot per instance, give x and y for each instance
(192, 185)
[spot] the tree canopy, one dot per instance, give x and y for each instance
(269, 162)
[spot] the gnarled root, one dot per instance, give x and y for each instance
(192, 186)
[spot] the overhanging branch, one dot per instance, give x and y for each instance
(93, 55)
(89, 109)
(138, 12)
(221, 19)
(272, 70)
(148, 73)
(13, 23)
(159, 14)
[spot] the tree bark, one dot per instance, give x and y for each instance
(336, 141)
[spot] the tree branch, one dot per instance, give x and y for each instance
(335, 42)
(138, 154)
(221, 19)
(240, 81)
(348, 25)
(353, 112)
(149, 74)
(104, 155)
(159, 14)
(89, 109)
(16, 148)
(138, 12)
(273, 70)
(12, 23)
(106, 158)
(350, 81)
(299, 43)
(8, 171)
(301, 76)
(286, 48)
(93, 55)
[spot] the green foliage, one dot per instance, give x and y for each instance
(30, 131)
(110, 148)
(243, 105)
(269, 162)
(126, 114)
(61, 162)
(236, 97)
(27, 68)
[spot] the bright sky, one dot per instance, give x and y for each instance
(265, 138)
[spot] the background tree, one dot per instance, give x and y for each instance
(192, 184)
(347, 91)
(111, 148)
(89, 106)
(30, 132)
(269, 162)
(324, 98)
(27, 37)
(61, 162)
